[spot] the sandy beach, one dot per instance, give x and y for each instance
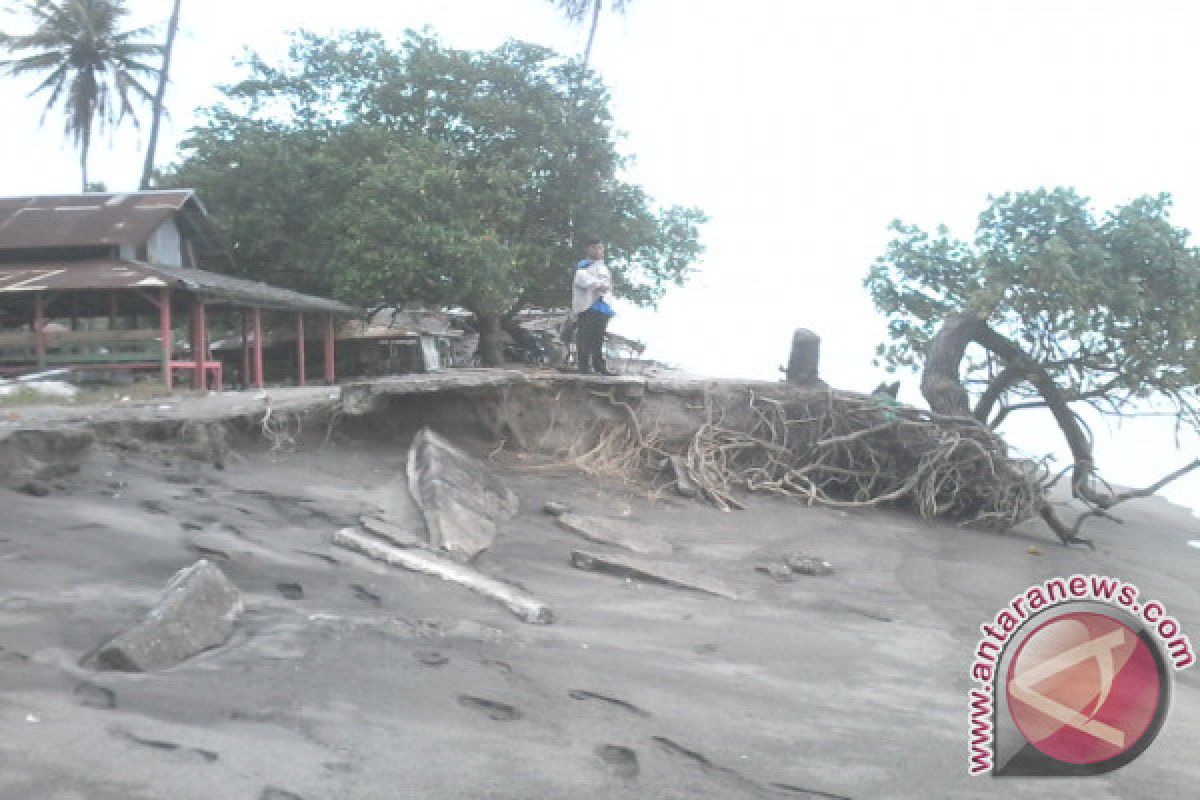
(347, 678)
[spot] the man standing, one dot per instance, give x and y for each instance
(588, 301)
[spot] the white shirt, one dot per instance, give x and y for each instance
(592, 283)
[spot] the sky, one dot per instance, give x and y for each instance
(802, 127)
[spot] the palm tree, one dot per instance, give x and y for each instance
(577, 10)
(172, 29)
(91, 66)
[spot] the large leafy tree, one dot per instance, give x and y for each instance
(1049, 307)
(87, 64)
(421, 174)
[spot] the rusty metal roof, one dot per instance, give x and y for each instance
(120, 274)
(85, 219)
(92, 219)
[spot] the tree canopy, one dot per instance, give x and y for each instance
(92, 67)
(1048, 306)
(421, 174)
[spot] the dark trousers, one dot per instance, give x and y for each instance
(589, 340)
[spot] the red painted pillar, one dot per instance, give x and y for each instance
(256, 317)
(330, 343)
(300, 348)
(164, 331)
(199, 344)
(245, 351)
(39, 323)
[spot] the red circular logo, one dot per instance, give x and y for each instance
(1083, 688)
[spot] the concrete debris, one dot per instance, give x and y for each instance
(808, 565)
(462, 500)
(643, 570)
(197, 612)
(781, 573)
(555, 508)
(519, 602)
(638, 539)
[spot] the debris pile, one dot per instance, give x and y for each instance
(440, 517)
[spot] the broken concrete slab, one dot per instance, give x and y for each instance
(461, 499)
(197, 612)
(636, 538)
(518, 601)
(654, 572)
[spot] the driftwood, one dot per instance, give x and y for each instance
(646, 570)
(525, 606)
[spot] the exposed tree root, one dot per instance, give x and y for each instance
(830, 448)
(849, 451)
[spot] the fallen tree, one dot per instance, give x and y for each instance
(1050, 309)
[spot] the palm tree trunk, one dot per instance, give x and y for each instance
(587, 51)
(85, 143)
(172, 28)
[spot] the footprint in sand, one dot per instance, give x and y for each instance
(91, 695)
(367, 596)
(500, 712)
(621, 761)
(12, 657)
(271, 793)
(431, 658)
(156, 744)
(583, 694)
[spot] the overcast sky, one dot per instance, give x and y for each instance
(801, 127)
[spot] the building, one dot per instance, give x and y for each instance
(99, 282)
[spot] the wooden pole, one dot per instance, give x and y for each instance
(245, 350)
(39, 335)
(256, 320)
(300, 348)
(199, 344)
(330, 344)
(164, 329)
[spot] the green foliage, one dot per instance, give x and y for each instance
(425, 175)
(1105, 305)
(90, 66)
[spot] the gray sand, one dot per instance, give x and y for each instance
(348, 679)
